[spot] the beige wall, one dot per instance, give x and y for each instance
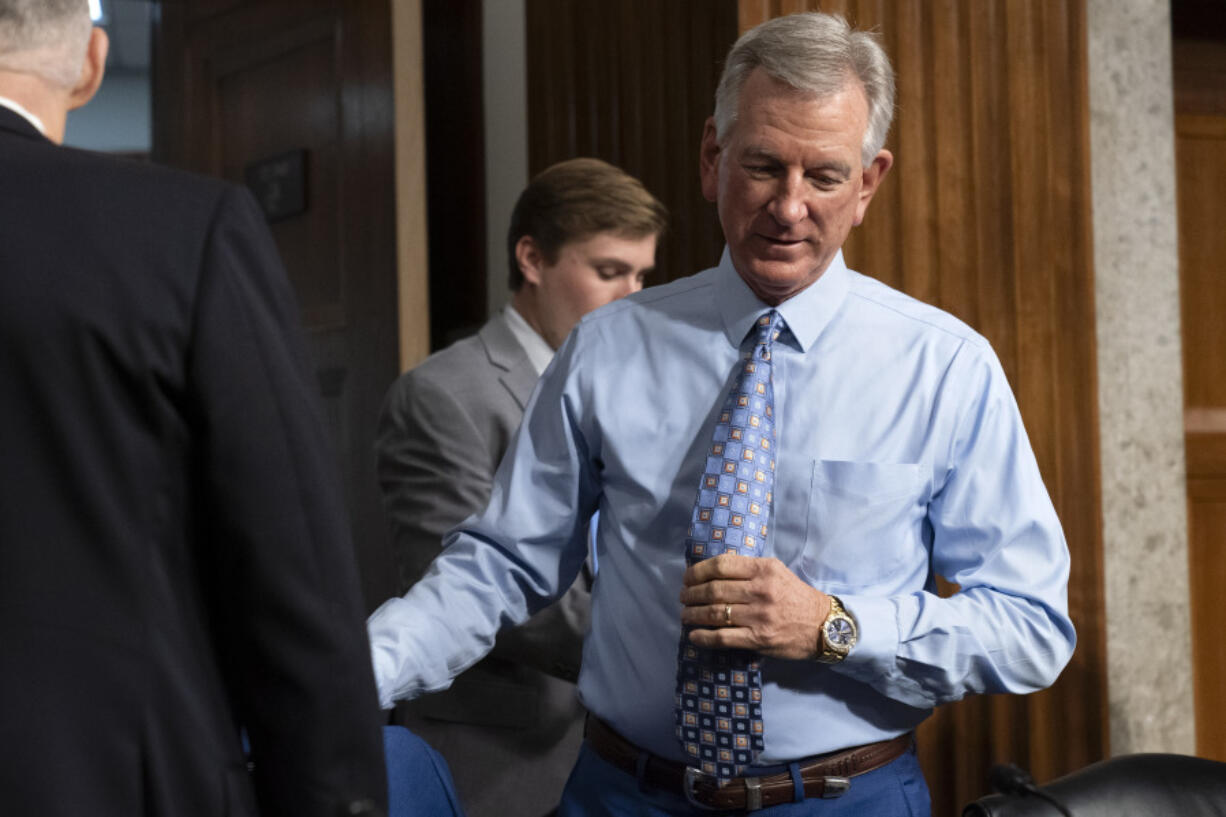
(1145, 539)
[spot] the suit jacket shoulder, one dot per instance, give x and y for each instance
(482, 370)
(444, 428)
(171, 507)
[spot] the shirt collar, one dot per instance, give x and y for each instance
(807, 313)
(538, 351)
(17, 108)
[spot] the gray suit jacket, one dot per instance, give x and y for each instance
(510, 726)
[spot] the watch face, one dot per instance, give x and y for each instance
(839, 633)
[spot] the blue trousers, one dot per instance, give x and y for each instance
(596, 788)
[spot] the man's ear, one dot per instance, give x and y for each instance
(871, 181)
(530, 259)
(91, 71)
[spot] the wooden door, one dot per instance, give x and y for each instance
(302, 92)
(1200, 153)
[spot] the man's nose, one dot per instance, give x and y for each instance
(788, 206)
(633, 283)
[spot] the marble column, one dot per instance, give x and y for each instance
(1140, 384)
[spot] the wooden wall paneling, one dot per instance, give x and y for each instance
(952, 169)
(986, 214)
(988, 140)
(1079, 699)
(1200, 147)
(1201, 178)
(552, 67)
(632, 83)
(909, 261)
(712, 36)
(654, 153)
(1206, 533)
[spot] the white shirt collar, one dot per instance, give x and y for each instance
(17, 108)
(538, 351)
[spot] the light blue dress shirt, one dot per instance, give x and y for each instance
(901, 454)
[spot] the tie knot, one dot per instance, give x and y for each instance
(766, 331)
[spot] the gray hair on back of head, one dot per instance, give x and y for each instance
(47, 38)
(812, 52)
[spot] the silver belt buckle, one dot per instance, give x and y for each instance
(835, 787)
(753, 790)
(693, 775)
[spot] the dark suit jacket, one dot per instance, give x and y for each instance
(174, 555)
(511, 725)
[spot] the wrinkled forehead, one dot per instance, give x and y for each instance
(779, 114)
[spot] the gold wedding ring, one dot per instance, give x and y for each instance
(727, 615)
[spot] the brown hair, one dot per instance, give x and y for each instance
(576, 199)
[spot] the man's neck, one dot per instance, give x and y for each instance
(37, 101)
(538, 351)
(523, 303)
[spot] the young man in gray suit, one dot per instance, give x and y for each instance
(582, 234)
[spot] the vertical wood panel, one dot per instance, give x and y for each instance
(1206, 534)
(1201, 149)
(986, 215)
(632, 83)
(1200, 146)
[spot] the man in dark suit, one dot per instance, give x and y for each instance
(583, 233)
(174, 558)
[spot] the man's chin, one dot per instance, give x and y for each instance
(774, 280)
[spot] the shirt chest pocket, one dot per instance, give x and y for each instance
(864, 524)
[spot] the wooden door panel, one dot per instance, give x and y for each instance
(1207, 552)
(1200, 146)
(285, 96)
(239, 82)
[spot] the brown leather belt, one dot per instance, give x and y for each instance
(821, 776)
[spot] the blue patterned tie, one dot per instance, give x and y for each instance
(719, 692)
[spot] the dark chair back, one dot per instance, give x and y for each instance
(1141, 785)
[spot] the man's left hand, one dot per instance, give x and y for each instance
(752, 603)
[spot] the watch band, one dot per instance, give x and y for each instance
(837, 617)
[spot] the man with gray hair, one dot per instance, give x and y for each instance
(784, 454)
(175, 567)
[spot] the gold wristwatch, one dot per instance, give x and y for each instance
(838, 634)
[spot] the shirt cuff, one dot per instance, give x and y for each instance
(876, 650)
(382, 629)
